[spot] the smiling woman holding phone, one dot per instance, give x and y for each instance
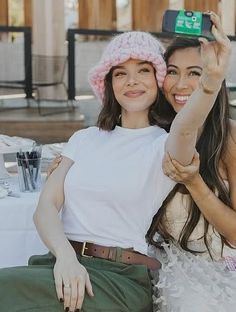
(197, 221)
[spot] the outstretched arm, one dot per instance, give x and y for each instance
(215, 57)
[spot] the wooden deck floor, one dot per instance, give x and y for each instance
(26, 122)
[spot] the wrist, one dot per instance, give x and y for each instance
(65, 251)
(199, 191)
(209, 86)
(194, 182)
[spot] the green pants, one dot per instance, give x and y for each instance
(117, 287)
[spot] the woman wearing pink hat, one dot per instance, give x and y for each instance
(110, 184)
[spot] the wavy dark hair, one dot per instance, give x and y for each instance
(110, 113)
(210, 146)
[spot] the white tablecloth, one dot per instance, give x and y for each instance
(18, 237)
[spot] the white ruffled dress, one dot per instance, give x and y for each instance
(190, 283)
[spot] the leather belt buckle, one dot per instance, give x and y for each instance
(84, 248)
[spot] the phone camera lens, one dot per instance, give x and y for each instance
(189, 13)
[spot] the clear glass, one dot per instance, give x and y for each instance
(29, 174)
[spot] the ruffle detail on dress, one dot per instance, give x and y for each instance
(189, 283)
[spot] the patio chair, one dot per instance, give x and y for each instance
(48, 76)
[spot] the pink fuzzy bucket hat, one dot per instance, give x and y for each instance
(136, 45)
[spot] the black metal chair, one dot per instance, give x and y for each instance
(48, 72)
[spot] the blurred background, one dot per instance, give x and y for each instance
(48, 46)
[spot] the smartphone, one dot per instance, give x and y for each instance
(187, 23)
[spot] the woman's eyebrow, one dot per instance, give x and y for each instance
(139, 63)
(117, 67)
(171, 65)
(189, 67)
(195, 66)
(144, 62)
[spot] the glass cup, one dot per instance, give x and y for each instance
(29, 174)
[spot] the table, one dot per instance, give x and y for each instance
(18, 236)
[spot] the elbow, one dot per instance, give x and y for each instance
(181, 147)
(38, 215)
(35, 217)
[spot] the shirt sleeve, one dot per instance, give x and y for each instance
(72, 147)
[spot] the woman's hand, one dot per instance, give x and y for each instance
(71, 280)
(215, 56)
(181, 174)
(53, 165)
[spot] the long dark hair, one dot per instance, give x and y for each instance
(210, 146)
(110, 113)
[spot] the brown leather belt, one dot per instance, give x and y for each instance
(117, 254)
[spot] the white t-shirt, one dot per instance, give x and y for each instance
(115, 186)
